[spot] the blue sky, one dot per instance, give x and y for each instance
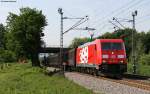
(99, 12)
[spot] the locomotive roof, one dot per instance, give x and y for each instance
(88, 43)
(101, 40)
(110, 40)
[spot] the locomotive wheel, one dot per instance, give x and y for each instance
(118, 76)
(90, 71)
(68, 68)
(93, 71)
(80, 69)
(84, 70)
(96, 72)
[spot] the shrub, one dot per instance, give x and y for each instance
(145, 59)
(7, 56)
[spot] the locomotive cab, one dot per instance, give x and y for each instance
(113, 56)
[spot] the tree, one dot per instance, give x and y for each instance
(108, 35)
(144, 59)
(146, 41)
(2, 36)
(78, 41)
(25, 32)
(7, 56)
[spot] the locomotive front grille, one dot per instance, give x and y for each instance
(114, 68)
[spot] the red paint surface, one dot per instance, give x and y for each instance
(95, 52)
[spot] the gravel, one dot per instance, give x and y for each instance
(103, 86)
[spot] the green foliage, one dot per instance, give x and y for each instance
(78, 41)
(24, 79)
(2, 36)
(108, 35)
(146, 41)
(25, 30)
(144, 59)
(130, 67)
(7, 56)
(142, 69)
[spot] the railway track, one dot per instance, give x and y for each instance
(138, 81)
(135, 76)
(130, 82)
(134, 81)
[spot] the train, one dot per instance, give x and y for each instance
(107, 56)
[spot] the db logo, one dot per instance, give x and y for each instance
(84, 55)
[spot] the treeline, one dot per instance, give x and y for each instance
(141, 43)
(5, 54)
(20, 39)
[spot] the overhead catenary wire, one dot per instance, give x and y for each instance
(105, 19)
(138, 7)
(120, 9)
(118, 22)
(116, 10)
(128, 5)
(77, 24)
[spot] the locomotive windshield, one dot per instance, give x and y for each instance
(112, 46)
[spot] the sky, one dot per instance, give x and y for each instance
(100, 12)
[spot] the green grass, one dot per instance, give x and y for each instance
(141, 69)
(24, 79)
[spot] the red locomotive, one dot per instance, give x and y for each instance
(102, 55)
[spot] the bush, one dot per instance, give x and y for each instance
(145, 59)
(7, 56)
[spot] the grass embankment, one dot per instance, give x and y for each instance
(141, 69)
(24, 79)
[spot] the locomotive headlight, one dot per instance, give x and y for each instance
(120, 56)
(104, 61)
(121, 61)
(104, 56)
